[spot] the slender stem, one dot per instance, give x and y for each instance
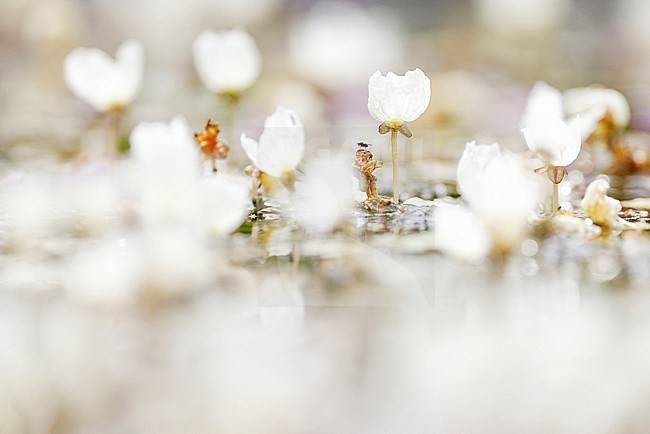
(255, 185)
(295, 259)
(230, 104)
(114, 127)
(393, 149)
(555, 198)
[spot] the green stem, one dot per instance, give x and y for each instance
(555, 198)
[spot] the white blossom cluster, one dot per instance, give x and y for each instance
(141, 293)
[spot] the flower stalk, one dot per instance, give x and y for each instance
(556, 174)
(255, 185)
(394, 156)
(394, 101)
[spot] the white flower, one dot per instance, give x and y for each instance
(601, 209)
(102, 82)
(596, 102)
(460, 234)
(151, 139)
(227, 61)
(223, 202)
(581, 108)
(316, 38)
(398, 98)
(515, 17)
(323, 196)
(498, 190)
(545, 130)
(544, 102)
(554, 142)
(167, 148)
(165, 179)
(281, 145)
(472, 164)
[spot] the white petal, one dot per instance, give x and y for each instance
(498, 190)
(554, 142)
(376, 90)
(394, 97)
(544, 102)
(250, 146)
(416, 87)
(323, 197)
(165, 148)
(226, 201)
(471, 164)
(282, 144)
(586, 122)
(580, 100)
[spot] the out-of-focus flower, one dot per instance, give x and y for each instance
(471, 166)
(304, 98)
(281, 145)
(167, 148)
(583, 109)
(514, 16)
(149, 140)
(222, 202)
(228, 61)
(597, 102)
(167, 185)
(601, 209)
(460, 101)
(102, 82)
(323, 196)
(544, 102)
(554, 142)
(547, 134)
(395, 99)
(499, 192)
(461, 234)
(316, 41)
